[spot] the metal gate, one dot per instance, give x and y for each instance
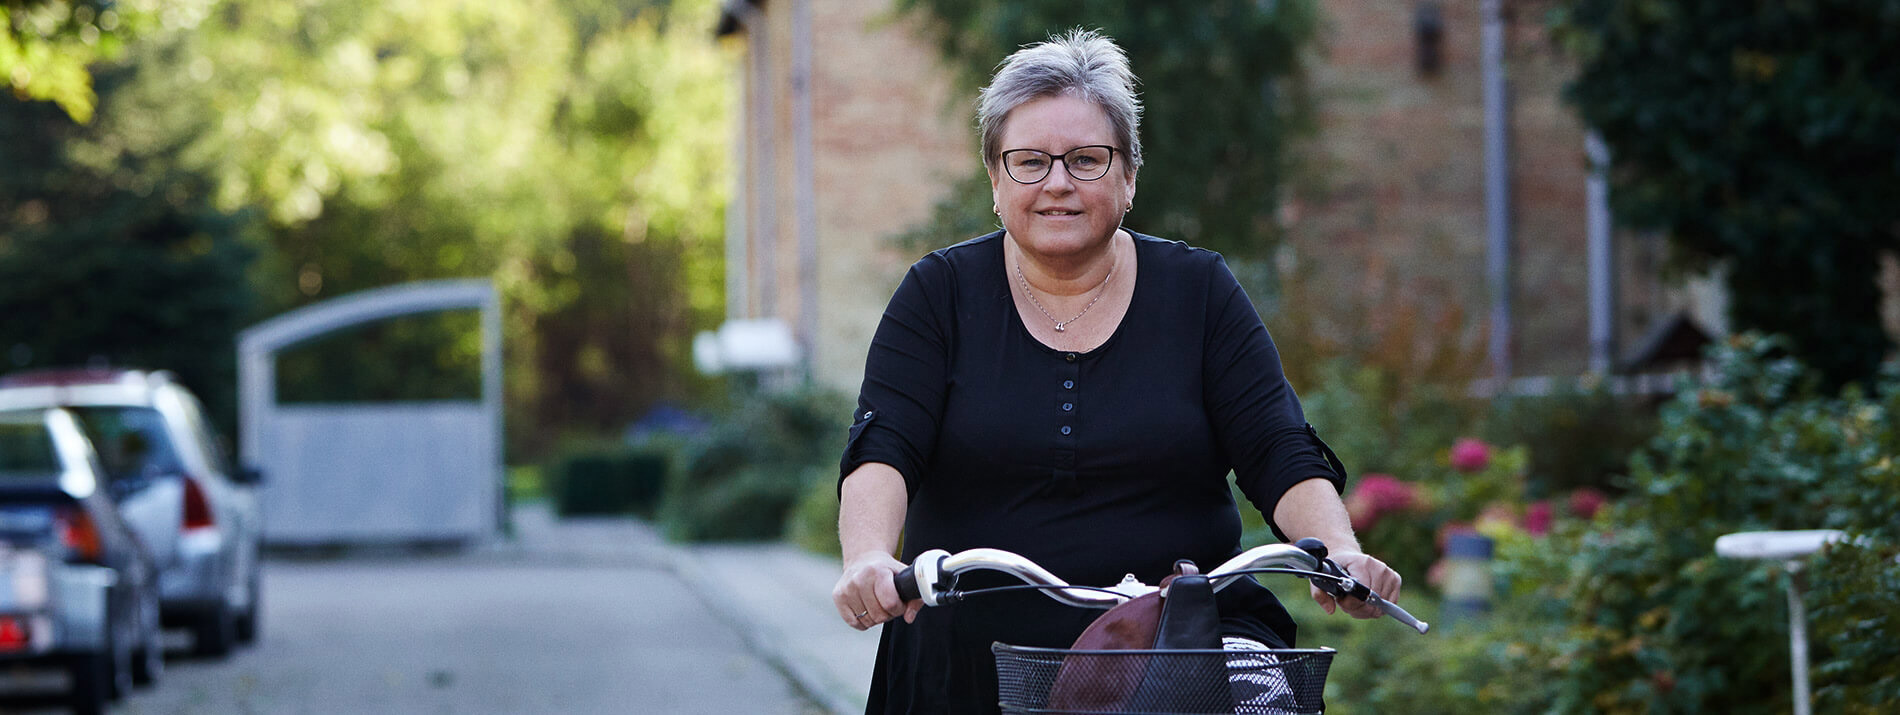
(374, 472)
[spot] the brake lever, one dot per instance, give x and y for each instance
(1340, 585)
(1343, 585)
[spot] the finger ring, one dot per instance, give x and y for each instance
(862, 614)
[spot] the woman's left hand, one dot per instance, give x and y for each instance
(1369, 571)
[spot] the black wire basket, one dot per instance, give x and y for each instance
(1171, 682)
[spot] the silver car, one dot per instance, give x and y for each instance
(174, 485)
(78, 592)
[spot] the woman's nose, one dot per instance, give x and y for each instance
(1059, 180)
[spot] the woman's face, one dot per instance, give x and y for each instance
(1061, 215)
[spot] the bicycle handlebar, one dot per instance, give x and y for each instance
(932, 577)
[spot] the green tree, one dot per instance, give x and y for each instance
(129, 268)
(1223, 97)
(46, 46)
(571, 151)
(1760, 137)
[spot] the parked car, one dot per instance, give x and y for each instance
(172, 481)
(78, 591)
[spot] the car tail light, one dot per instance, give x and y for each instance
(197, 508)
(79, 534)
(15, 634)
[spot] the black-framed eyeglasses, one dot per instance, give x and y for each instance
(1085, 163)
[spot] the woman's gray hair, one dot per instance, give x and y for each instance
(1081, 63)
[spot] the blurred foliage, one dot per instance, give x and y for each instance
(617, 480)
(743, 477)
(572, 152)
(1381, 421)
(1486, 665)
(1633, 611)
(1652, 620)
(1223, 94)
(46, 46)
(98, 269)
(423, 357)
(1759, 135)
(813, 525)
(1577, 437)
(1854, 594)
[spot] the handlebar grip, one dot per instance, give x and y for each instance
(1393, 611)
(907, 584)
(1365, 593)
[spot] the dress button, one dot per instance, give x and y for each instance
(1068, 384)
(1070, 357)
(1065, 429)
(1068, 406)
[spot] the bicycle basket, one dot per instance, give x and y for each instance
(1170, 682)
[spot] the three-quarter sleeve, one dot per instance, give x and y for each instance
(900, 404)
(1256, 415)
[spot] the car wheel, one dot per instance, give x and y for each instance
(215, 633)
(149, 661)
(247, 623)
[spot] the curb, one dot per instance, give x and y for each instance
(807, 677)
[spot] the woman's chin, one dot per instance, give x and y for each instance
(1063, 240)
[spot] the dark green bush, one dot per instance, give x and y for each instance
(1854, 589)
(609, 481)
(1577, 438)
(813, 524)
(742, 478)
(1659, 623)
(1633, 611)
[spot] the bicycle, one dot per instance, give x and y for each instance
(1162, 678)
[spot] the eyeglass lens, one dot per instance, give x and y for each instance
(1088, 163)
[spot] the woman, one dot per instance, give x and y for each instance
(1072, 391)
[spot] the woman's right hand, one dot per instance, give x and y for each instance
(866, 594)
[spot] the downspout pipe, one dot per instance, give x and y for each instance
(1497, 189)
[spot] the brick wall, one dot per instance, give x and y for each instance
(1393, 210)
(890, 138)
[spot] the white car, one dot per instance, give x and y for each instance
(175, 488)
(77, 590)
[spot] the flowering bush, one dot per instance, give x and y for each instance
(1470, 455)
(1374, 496)
(1649, 619)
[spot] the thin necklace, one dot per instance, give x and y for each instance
(1062, 325)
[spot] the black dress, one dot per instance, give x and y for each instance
(1094, 464)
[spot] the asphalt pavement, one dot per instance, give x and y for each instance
(597, 615)
(776, 596)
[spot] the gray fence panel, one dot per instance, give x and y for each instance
(374, 472)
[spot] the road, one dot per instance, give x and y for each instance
(606, 631)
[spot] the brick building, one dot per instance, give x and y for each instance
(852, 133)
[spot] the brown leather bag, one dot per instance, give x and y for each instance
(1180, 617)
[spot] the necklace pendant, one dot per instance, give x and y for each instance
(1059, 327)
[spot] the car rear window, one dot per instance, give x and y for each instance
(131, 441)
(26, 447)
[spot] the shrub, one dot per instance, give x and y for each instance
(624, 480)
(1577, 439)
(1658, 623)
(742, 477)
(814, 522)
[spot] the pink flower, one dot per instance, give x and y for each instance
(1585, 502)
(1537, 518)
(1470, 455)
(1375, 495)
